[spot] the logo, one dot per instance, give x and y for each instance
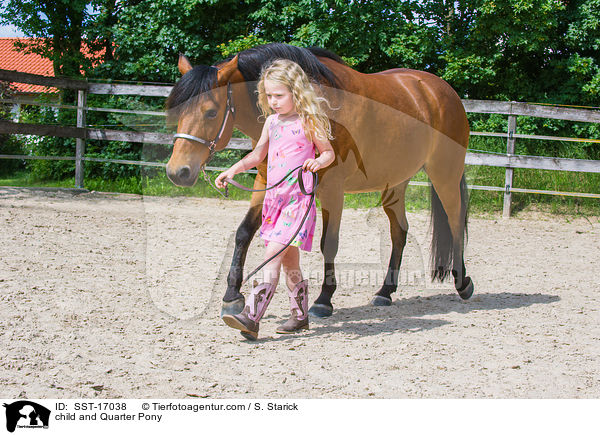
(26, 414)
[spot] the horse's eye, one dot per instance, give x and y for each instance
(210, 114)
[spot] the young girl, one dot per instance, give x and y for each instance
(295, 125)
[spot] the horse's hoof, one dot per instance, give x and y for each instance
(320, 310)
(233, 307)
(467, 291)
(381, 301)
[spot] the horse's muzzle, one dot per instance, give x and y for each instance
(182, 176)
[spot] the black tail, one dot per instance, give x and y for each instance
(442, 246)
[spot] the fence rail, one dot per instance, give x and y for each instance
(528, 109)
(509, 161)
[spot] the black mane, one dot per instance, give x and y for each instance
(198, 81)
(202, 79)
(252, 61)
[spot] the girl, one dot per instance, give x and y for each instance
(294, 126)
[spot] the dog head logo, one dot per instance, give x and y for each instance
(26, 414)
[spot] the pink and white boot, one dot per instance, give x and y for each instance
(256, 305)
(299, 307)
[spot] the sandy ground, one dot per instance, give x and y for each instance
(111, 296)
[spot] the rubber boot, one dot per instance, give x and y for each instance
(256, 305)
(299, 307)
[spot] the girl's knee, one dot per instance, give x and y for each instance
(274, 248)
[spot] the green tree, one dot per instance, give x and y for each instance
(100, 30)
(532, 50)
(582, 43)
(524, 50)
(58, 28)
(503, 49)
(8, 144)
(149, 35)
(369, 35)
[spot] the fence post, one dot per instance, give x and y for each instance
(508, 178)
(80, 143)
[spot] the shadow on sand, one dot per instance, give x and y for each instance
(406, 315)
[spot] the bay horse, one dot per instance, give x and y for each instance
(386, 126)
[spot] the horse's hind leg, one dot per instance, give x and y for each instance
(233, 301)
(332, 204)
(449, 215)
(393, 204)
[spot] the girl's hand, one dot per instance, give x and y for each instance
(312, 165)
(220, 181)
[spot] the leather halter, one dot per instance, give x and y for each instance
(211, 145)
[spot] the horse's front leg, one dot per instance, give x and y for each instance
(332, 204)
(233, 301)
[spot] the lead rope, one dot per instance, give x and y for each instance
(210, 183)
(302, 189)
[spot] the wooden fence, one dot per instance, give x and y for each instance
(509, 161)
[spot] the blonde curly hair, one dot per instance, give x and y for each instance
(306, 101)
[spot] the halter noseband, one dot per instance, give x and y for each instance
(211, 145)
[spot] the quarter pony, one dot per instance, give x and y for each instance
(387, 126)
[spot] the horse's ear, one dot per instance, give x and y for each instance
(184, 64)
(227, 70)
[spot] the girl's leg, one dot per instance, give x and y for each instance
(259, 297)
(291, 266)
(297, 291)
(271, 270)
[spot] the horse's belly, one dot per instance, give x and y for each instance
(385, 165)
(382, 178)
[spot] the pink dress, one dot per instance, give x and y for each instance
(285, 206)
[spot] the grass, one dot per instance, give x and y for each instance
(485, 202)
(23, 179)
(417, 197)
(157, 185)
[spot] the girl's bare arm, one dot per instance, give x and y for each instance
(326, 155)
(249, 161)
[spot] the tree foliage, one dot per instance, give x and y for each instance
(58, 27)
(488, 49)
(149, 35)
(532, 50)
(544, 51)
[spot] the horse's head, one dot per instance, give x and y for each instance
(201, 102)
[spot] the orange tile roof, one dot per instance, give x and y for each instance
(14, 60)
